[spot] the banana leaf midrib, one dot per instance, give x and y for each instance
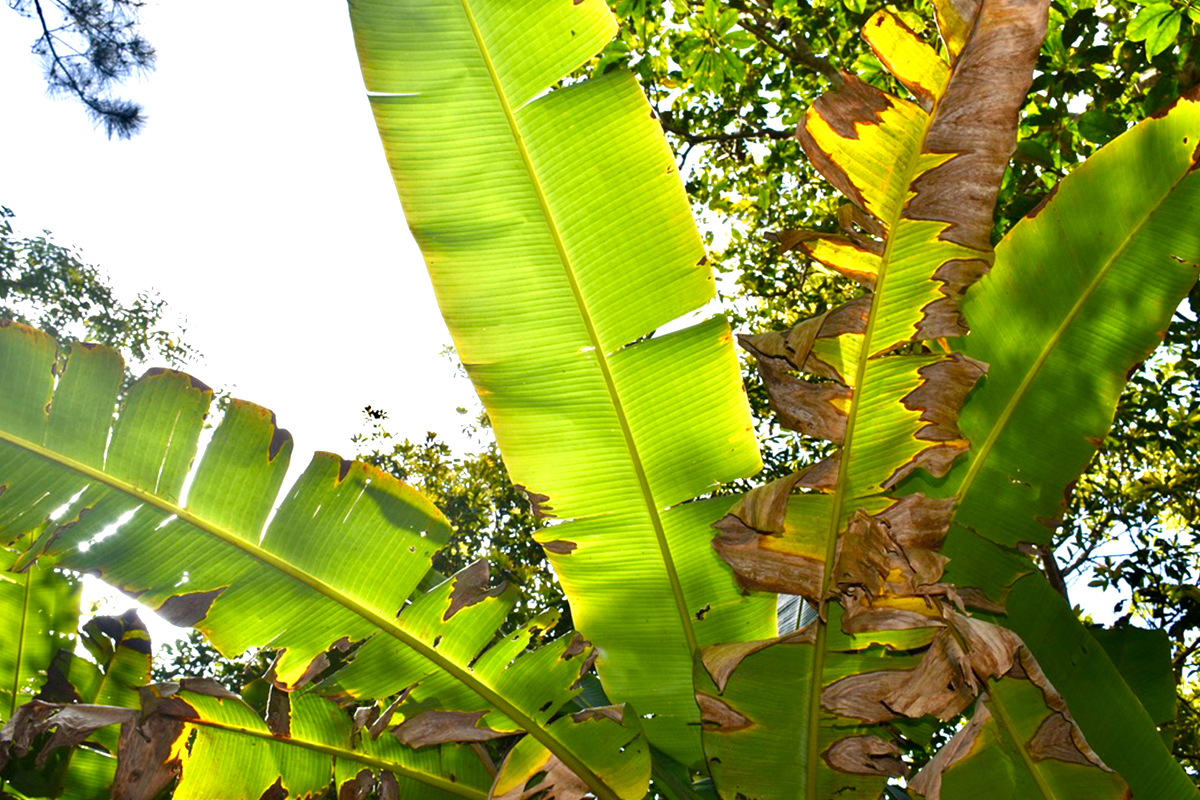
(981, 454)
(1005, 723)
(382, 623)
(597, 347)
(835, 514)
(350, 755)
(21, 643)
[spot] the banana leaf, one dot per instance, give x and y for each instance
(39, 611)
(219, 746)
(558, 237)
(340, 558)
(859, 535)
(1081, 292)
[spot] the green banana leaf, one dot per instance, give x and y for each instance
(118, 662)
(1082, 291)
(1143, 657)
(849, 534)
(305, 744)
(341, 557)
(1116, 724)
(1014, 723)
(39, 611)
(558, 237)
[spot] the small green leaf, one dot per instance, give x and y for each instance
(1147, 22)
(1100, 127)
(1035, 152)
(1166, 34)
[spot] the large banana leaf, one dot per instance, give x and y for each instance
(1079, 294)
(1082, 291)
(923, 177)
(558, 237)
(339, 560)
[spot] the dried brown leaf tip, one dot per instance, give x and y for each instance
(436, 727)
(720, 660)
(357, 788)
(809, 346)
(539, 503)
(946, 382)
(865, 755)
(813, 409)
(65, 725)
(892, 555)
(1036, 720)
(753, 543)
(854, 105)
(471, 587)
(717, 715)
(977, 116)
(556, 782)
(149, 759)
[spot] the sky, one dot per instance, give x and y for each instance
(257, 202)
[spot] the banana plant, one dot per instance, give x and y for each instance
(559, 241)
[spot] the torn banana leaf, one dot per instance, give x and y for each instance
(1018, 721)
(39, 611)
(218, 746)
(558, 236)
(1082, 292)
(116, 665)
(904, 658)
(341, 557)
(922, 176)
(305, 744)
(1117, 725)
(746, 728)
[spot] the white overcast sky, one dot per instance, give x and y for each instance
(257, 202)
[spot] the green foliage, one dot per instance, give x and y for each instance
(1131, 523)
(50, 286)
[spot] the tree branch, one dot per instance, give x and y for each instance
(799, 53)
(1053, 573)
(707, 138)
